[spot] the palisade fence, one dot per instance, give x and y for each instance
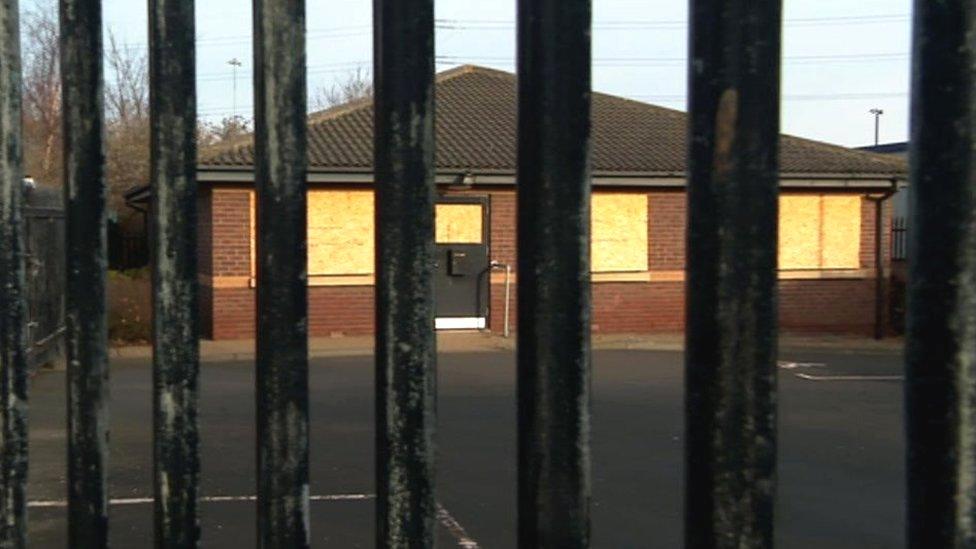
(899, 239)
(731, 385)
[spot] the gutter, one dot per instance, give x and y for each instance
(879, 263)
(677, 180)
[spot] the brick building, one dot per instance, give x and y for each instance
(828, 244)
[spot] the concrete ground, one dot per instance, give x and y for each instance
(840, 466)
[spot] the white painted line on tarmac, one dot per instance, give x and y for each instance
(56, 503)
(784, 365)
(445, 518)
(453, 526)
(809, 377)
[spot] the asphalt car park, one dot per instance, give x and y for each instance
(841, 449)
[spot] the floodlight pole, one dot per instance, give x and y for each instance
(235, 64)
(877, 124)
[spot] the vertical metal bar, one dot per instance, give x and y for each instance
(175, 314)
(282, 285)
(86, 253)
(405, 344)
(730, 403)
(879, 268)
(13, 308)
(941, 325)
(554, 273)
(508, 300)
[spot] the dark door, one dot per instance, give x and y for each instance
(463, 271)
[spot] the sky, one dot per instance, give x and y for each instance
(841, 58)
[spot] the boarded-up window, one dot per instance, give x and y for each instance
(819, 232)
(340, 232)
(618, 228)
(459, 224)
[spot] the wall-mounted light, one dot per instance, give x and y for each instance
(465, 180)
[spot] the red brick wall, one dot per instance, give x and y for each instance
(666, 231)
(841, 305)
(231, 219)
(502, 226)
(233, 315)
(333, 310)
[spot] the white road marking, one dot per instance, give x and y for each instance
(445, 517)
(453, 526)
(783, 365)
(55, 503)
(809, 377)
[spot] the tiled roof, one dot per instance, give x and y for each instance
(476, 130)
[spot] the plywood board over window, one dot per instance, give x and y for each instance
(340, 232)
(618, 227)
(459, 224)
(819, 232)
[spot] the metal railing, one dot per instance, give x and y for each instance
(899, 239)
(731, 337)
(43, 232)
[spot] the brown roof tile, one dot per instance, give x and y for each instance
(476, 130)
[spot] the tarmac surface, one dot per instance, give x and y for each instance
(841, 462)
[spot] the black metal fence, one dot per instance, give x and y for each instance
(731, 387)
(126, 251)
(899, 238)
(43, 218)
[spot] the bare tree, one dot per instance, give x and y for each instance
(127, 89)
(126, 102)
(127, 119)
(229, 129)
(357, 85)
(42, 92)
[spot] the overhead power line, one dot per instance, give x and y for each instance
(498, 24)
(325, 68)
(344, 66)
(674, 61)
(361, 30)
(350, 31)
(681, 98)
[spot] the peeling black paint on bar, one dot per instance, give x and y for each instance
(13, 307)
(405, 344)
(282, 288)
(86, 250)
(554, 273)
(730, 416)
(175, 313)
(941, 325)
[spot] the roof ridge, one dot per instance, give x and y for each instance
(348, 107)
(336, 111)
(870, 155)
(841, 149)
(229, 145)
(462, 70)
(356, 104)
(873, 156)
(479, 128)
(670, 111)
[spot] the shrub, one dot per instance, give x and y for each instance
(129, 306)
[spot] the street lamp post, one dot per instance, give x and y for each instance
(235, 64)
(877, 124)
